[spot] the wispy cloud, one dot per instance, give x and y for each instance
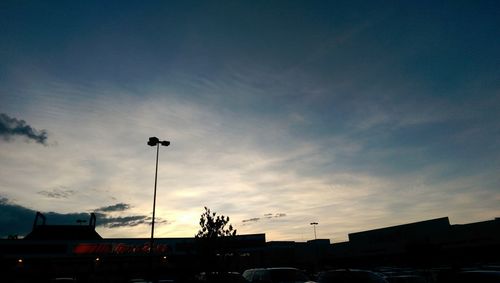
(57, 193)
(266, 216)
(10, 127)
(240, 164)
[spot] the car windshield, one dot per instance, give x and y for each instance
(350, 276)
(288, 275)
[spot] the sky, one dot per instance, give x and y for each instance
(356, 115)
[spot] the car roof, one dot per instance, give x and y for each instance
(348, 270)
(274, 268)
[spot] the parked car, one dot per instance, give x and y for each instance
(406, 279)
(350, 276)
(221, 277)
(472, 276)
(276, 275)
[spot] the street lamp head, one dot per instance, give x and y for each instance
(153, 141)
(314, 223)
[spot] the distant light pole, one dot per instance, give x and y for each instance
(154, 141)
(314, 225)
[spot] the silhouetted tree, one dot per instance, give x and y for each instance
(214, 226)
(213, 240)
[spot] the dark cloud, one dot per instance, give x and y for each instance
(13, 127)
(126, 221)
(15, 219)
(102, 219)
(18, 220)
(255, 219)
(116, 207)
(266, 216)
(54, 218)
(57, 193)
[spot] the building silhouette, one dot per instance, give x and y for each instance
(51, 251)
(424, 243)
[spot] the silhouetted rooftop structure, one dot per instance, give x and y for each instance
(63, 232)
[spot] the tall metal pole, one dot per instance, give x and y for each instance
(154, 141)
(314, 225)
(154, 201)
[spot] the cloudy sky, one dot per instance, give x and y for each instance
(355, 115)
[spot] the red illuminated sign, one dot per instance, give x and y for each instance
(117, 248)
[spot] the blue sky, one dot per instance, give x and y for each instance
(352, 114)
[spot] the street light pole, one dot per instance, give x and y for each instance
(314, 225)
(154, 199)
(154, 141)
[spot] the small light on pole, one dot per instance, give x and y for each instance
(314, 225)
(154, 141)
